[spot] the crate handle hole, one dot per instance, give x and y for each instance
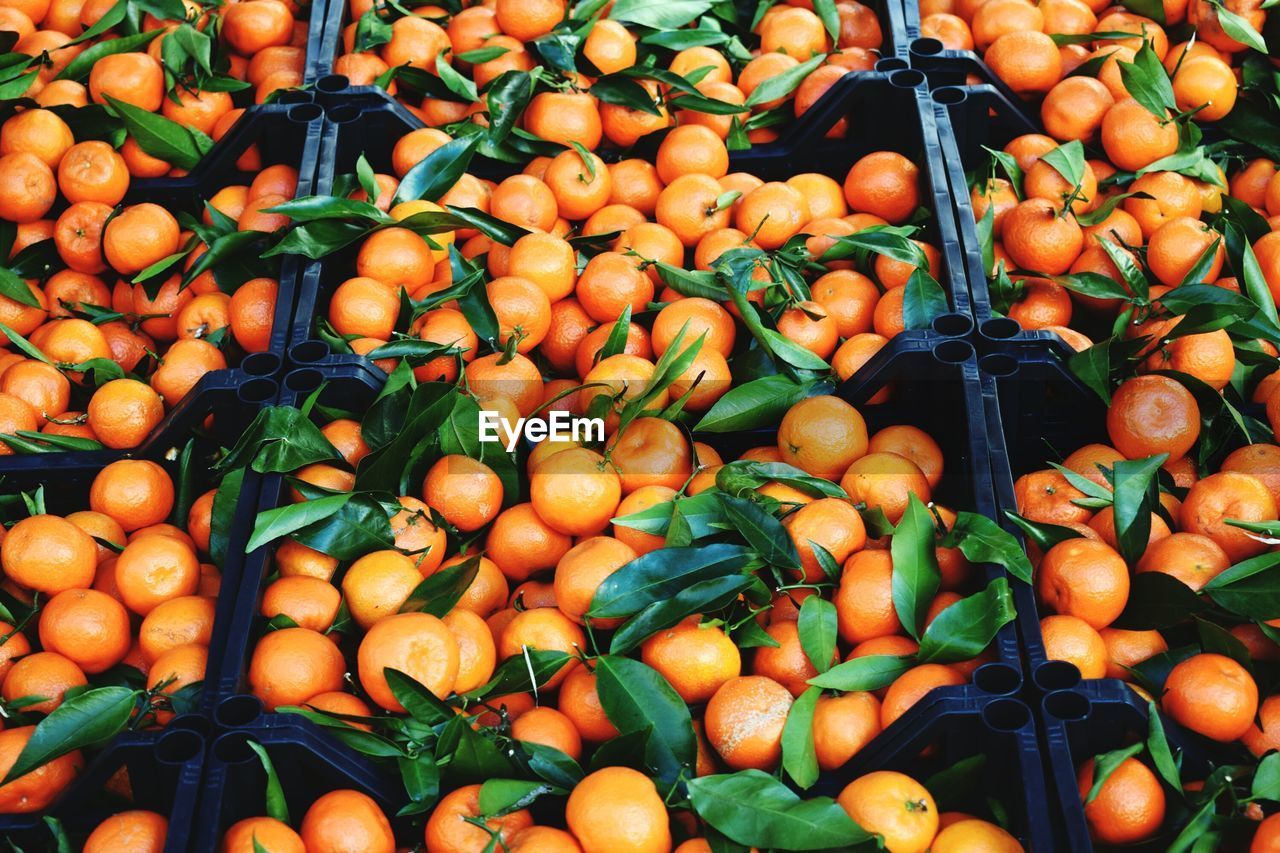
(907, 78)
(949, 95)
(891, 63)
(998, 365)
(342, 113)
(1000, 328)
(1006, 715)
(926, 47)
(304, 113)
(308, 352)
(998, 678)
(953, 352)
(952, 325)
(304, 380)
(233, 748)
(237, 711)
(261, 364)
(257, 390)
(1056, 675)
(331, 84)
(179, 746)
(1067, 705)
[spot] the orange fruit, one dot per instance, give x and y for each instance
(346, 819)
(291, 665)
(1213, 695)
(45, 553)
(617, 808)
(1086, 579)
(1070, 639)
(449, 828)
(894, 806)
(418, 645)
(744, 721)
(136, 830)
(245, 836)
(1129, 806)
(33, 791)
(86, 626)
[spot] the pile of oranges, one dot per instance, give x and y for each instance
(653, 234)
(193, 66)
(491, 613)
(646, 639)
(888, 803)
(111, 317)
(110, 594)
(1054, 48)
(572, 78)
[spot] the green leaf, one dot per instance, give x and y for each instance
(273, 523)
(616, 343)
(1068, 161)
(1137, 495)
(869, 672)
(1157, 601)
(661, 574)
(915, 566)
(1239, 27)
(892, 242)
(981, 540)
(669, 15)
(762, 531)
(1158, 748)
(964, 629)
(705, 596)
(703, 513)
(756, 403)
(438, 593)
(276, 806)
(78, 69)
(817, 627)
(1104, 765)
(422, 705)
(1250, 589)
(158, 136)
(522, 674)
(86, 720)
(753, 808)
(463, 87)
(799, 756)
(747, 475)
(15, 288)
(358, 527)
(1266, 779)
(280, 439)
(781, 85)
(1148, 83)
(923, 300)
(435, 174)
(623, 91)
(637, 698)
(503, 796)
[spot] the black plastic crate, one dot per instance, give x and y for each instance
(371, 126)
(935, 387)
(164, 773)
(165, 764)
(308, 763)
(948, 726)
(899, 26)
(237, 400)
(1038, 410)
(283, 134)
